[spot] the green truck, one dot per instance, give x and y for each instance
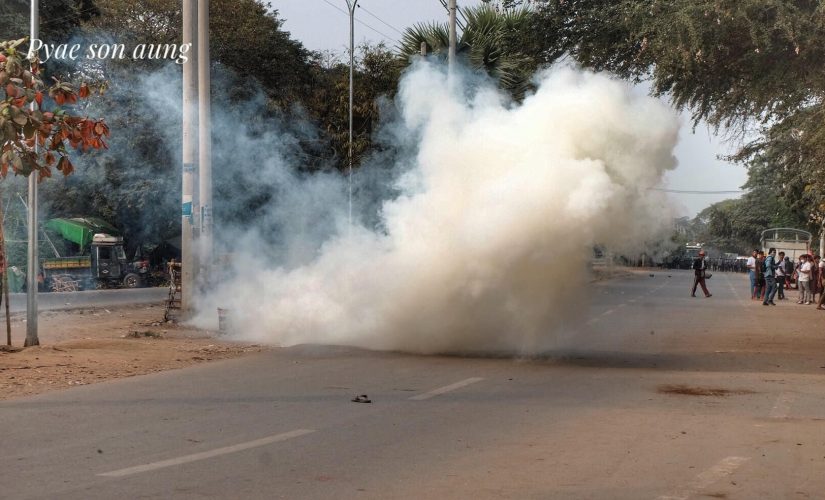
(88, 254)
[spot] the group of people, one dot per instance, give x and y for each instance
(771, 274)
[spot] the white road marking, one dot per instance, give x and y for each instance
(207, 454)
(783, 405)
(726, 467)
(446, 388)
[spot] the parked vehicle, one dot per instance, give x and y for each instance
(91, 256)
(794, 242)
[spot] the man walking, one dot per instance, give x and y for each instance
(770, 277)
(699, 267)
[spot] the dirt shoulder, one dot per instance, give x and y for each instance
(84, 346)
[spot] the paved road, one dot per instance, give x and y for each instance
(70, 300)
(606, 414)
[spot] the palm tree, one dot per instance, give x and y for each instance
(492, 41)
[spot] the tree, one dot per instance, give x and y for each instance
(492, 41)
(750, 65)
(25, 122)
(377, 73)
(35, 137)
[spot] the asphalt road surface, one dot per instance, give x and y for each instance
(655, 395)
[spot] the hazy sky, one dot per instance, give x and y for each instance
(324, 25)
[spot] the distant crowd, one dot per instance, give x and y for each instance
(712, 263)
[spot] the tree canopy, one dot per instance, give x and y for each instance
(749, 65)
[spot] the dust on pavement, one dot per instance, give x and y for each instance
(85, 346)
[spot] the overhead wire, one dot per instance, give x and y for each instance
(342, 11)
(390, 26)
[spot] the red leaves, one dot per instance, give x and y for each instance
(65, 165)
(25, 125)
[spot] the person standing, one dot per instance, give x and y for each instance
(804, 273)
(770, 277)
(752, 272)
(699, 268)
(780, 276)
(759, 273)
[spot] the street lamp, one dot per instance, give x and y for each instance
(351, 4)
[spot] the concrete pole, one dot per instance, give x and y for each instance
(33, 257)
(451, 53)
(205, 144)
(189, 157)
(351, 5)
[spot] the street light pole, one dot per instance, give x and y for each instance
(205, 145)
(351, 4)
(189, 158)
(32, 262)
(451, 53)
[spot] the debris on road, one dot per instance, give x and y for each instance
(361, 399)
(702, 391)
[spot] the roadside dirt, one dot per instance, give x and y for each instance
(85, 346)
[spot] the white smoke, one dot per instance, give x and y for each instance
(486, 247)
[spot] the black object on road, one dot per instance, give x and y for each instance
(361, 399)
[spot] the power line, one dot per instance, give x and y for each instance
(342, 11)
(390, 26)
(76, 14)
(460, 12)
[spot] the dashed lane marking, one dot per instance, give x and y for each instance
(207, 454)
(447, 388)
(725, 467)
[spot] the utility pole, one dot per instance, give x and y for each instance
(423, 49)
(451, 53)
(189, 158)
(33, 259)
(205, 145)
(351, 4)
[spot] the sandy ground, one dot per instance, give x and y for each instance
(84, 346)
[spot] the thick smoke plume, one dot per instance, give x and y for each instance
(485, 241)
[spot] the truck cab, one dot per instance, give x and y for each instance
(108, 259)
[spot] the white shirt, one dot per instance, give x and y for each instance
(751, 263)
(805, 272)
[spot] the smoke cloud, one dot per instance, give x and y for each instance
(484, 228)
